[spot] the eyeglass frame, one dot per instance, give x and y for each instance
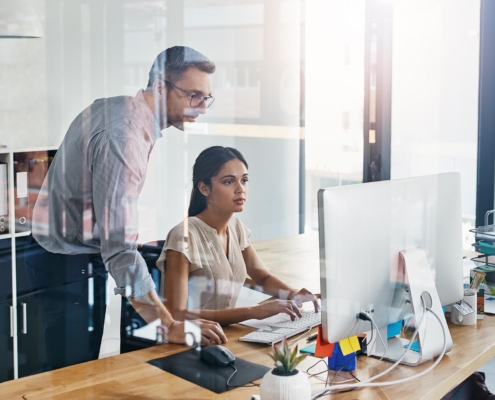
(204, 99)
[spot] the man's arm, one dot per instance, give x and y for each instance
(118, 172)
(150, 307)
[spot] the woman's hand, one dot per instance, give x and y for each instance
(275, 307)
(304, 295)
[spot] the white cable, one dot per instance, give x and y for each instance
(390, 383)
(383, 343)
(423, 313)
(300, 336)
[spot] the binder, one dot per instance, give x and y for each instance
(30, 170)
(22, 209)
(4, 199)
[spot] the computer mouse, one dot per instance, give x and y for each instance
(217, 355)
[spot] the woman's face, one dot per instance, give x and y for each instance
(229, 188)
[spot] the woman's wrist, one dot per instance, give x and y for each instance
(252, 312)
(168, 321)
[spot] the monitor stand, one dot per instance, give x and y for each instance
(418, 279)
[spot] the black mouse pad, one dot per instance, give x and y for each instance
(188, 365)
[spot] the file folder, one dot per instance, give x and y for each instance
(4, 199)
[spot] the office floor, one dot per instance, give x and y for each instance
(489, 370)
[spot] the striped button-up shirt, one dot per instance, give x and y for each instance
(88, 203)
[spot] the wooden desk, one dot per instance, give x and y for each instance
(294, 259)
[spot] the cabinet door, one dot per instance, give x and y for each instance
(31, 353)
(6, 340)
(6, 343)
(58, 325)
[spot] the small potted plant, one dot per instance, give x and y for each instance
(285, 382)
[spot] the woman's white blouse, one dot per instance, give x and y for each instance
(215, 278)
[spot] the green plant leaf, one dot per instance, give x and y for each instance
(284, 358)
(293, 354)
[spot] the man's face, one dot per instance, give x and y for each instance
(179, 110)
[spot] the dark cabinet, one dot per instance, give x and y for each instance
(6, 342)
(30, 336)
(6, 313)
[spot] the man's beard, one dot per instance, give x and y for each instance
(177, 124)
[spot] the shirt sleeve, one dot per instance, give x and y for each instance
(190, 246)
(243, 234)
(118, 172)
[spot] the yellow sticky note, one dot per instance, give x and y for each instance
(354, 343)
(345, 347)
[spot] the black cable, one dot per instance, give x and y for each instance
(354, 376)
(365, 317)
(334, 392)
(371, 338)
(318, 373)
(340, 370)
(236, 386)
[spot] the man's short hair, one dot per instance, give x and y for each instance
(171, 63)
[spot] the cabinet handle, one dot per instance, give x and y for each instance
(11, 321)
(24, 318)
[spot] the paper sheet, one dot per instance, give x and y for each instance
(249, 297)
(267, 322)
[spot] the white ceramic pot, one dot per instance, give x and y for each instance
(276, 387)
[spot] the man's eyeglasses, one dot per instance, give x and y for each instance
(196, 101)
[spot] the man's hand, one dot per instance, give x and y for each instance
(211, 332)
(303, 296)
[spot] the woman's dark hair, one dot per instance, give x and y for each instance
(207, 165)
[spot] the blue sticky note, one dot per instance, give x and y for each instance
(394, 329)
(310, 349)
(414, 346)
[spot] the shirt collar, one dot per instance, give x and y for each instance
(154, 131)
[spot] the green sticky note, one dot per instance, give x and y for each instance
(310, 349)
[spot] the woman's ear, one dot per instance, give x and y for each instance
(204, 189)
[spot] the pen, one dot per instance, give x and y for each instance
(312, 337)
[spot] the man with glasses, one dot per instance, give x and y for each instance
(85, 219)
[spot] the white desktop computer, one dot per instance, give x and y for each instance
(385, 249)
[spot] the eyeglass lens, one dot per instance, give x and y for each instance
(197, 101)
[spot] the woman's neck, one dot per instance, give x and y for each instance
(219, 221)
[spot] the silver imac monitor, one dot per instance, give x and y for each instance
(366, 232)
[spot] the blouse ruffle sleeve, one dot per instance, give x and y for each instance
(186, 245)
(243, 233)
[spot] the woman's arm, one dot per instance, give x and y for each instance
(176, 294)
(270, 284)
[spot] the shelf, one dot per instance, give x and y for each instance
(18, 234)
(21, 234)
(486, 232)
(7, 150)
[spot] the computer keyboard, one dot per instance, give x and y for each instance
(276, 332)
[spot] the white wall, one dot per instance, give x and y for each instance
(435, 92)
(102, 48)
